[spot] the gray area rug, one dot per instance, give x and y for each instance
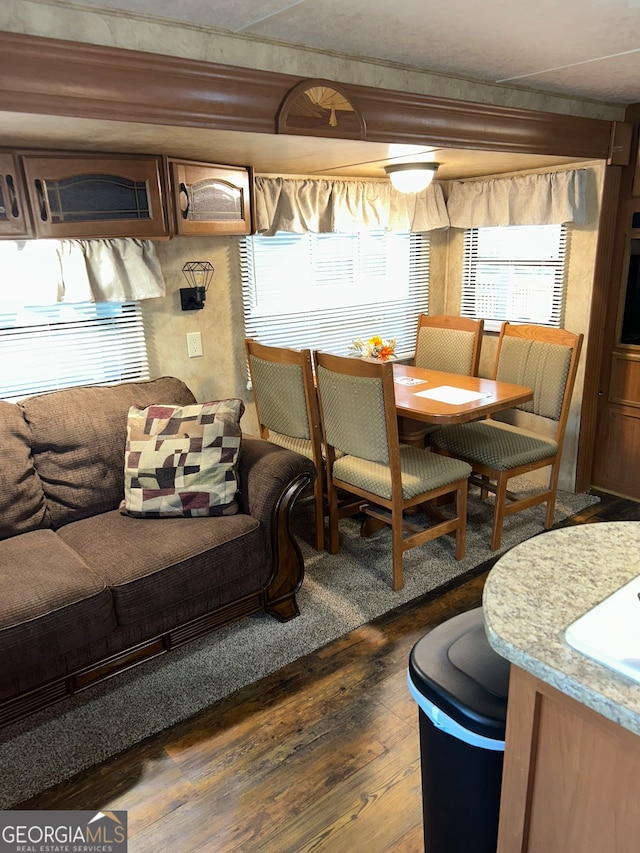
(339, 593)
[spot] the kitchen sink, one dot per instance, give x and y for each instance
(610, 632)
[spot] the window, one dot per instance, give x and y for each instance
(321, 291)
(515, 273)
(44, 348)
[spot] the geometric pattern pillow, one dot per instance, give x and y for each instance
(182, 460)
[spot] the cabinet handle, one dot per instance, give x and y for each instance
(42, 199)
(185, 210)
(13, 198)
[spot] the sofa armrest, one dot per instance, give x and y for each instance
(271, 480)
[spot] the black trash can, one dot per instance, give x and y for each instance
(460, 684)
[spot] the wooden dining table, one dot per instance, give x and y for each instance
(427, 398)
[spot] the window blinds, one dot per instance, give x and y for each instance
(515, 273)
(45, 348)
(322, 291)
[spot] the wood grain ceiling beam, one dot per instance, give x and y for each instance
(56, 77)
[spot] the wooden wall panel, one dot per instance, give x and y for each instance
(625, 380)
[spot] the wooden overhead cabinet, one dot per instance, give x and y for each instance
(82, 195)
(14, 220)
(210, 199)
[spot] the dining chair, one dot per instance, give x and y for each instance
(443, 342)
(546, 360)
(449, 343)
(287, 410)
(365, 458)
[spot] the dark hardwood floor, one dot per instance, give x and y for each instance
(321, 756)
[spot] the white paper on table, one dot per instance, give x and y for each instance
(410, 380)
(451, 394)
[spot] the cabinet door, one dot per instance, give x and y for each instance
(210, 199)
(80, 195)
(13, 220)
(571, 780)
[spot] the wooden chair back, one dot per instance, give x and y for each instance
(544, 359)
(357, 402)
(287, 408)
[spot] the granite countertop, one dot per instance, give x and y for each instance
(537, 589)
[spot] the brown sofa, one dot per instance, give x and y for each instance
(85, 590)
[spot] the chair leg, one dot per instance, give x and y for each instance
(461, 512)
(396, 543)
(498, 511)
(318, 496)
(484, 493)
(334, 539)
(551, 503)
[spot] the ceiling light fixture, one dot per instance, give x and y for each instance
(411, 177)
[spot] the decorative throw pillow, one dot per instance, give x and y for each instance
(182, 460)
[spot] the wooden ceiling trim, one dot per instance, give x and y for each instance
(56, 77)
(459, 124)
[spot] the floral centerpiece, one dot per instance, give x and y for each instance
(375, 347)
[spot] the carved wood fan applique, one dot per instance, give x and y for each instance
(319, 108)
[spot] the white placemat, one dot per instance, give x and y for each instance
(452, 395)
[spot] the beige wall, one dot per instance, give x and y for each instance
(220, 372)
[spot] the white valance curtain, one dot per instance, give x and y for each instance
(547, 199)
(43, 272)
(326, 206)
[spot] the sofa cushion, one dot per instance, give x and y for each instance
(22, 503)
(154, 565)
(182, 460)
(51, 602)
(78, 440)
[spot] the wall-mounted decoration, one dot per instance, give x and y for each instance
(198, 274)
(320, 108)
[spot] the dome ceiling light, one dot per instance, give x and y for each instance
(411, 177)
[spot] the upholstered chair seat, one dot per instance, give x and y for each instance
(300, 445)
(419, 473)
(291, 442)
(495, 444)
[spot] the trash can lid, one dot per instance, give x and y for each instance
(455, 668)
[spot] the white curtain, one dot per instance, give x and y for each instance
(118, 270)
(326, 206)
(548, 199)
(43, 272)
